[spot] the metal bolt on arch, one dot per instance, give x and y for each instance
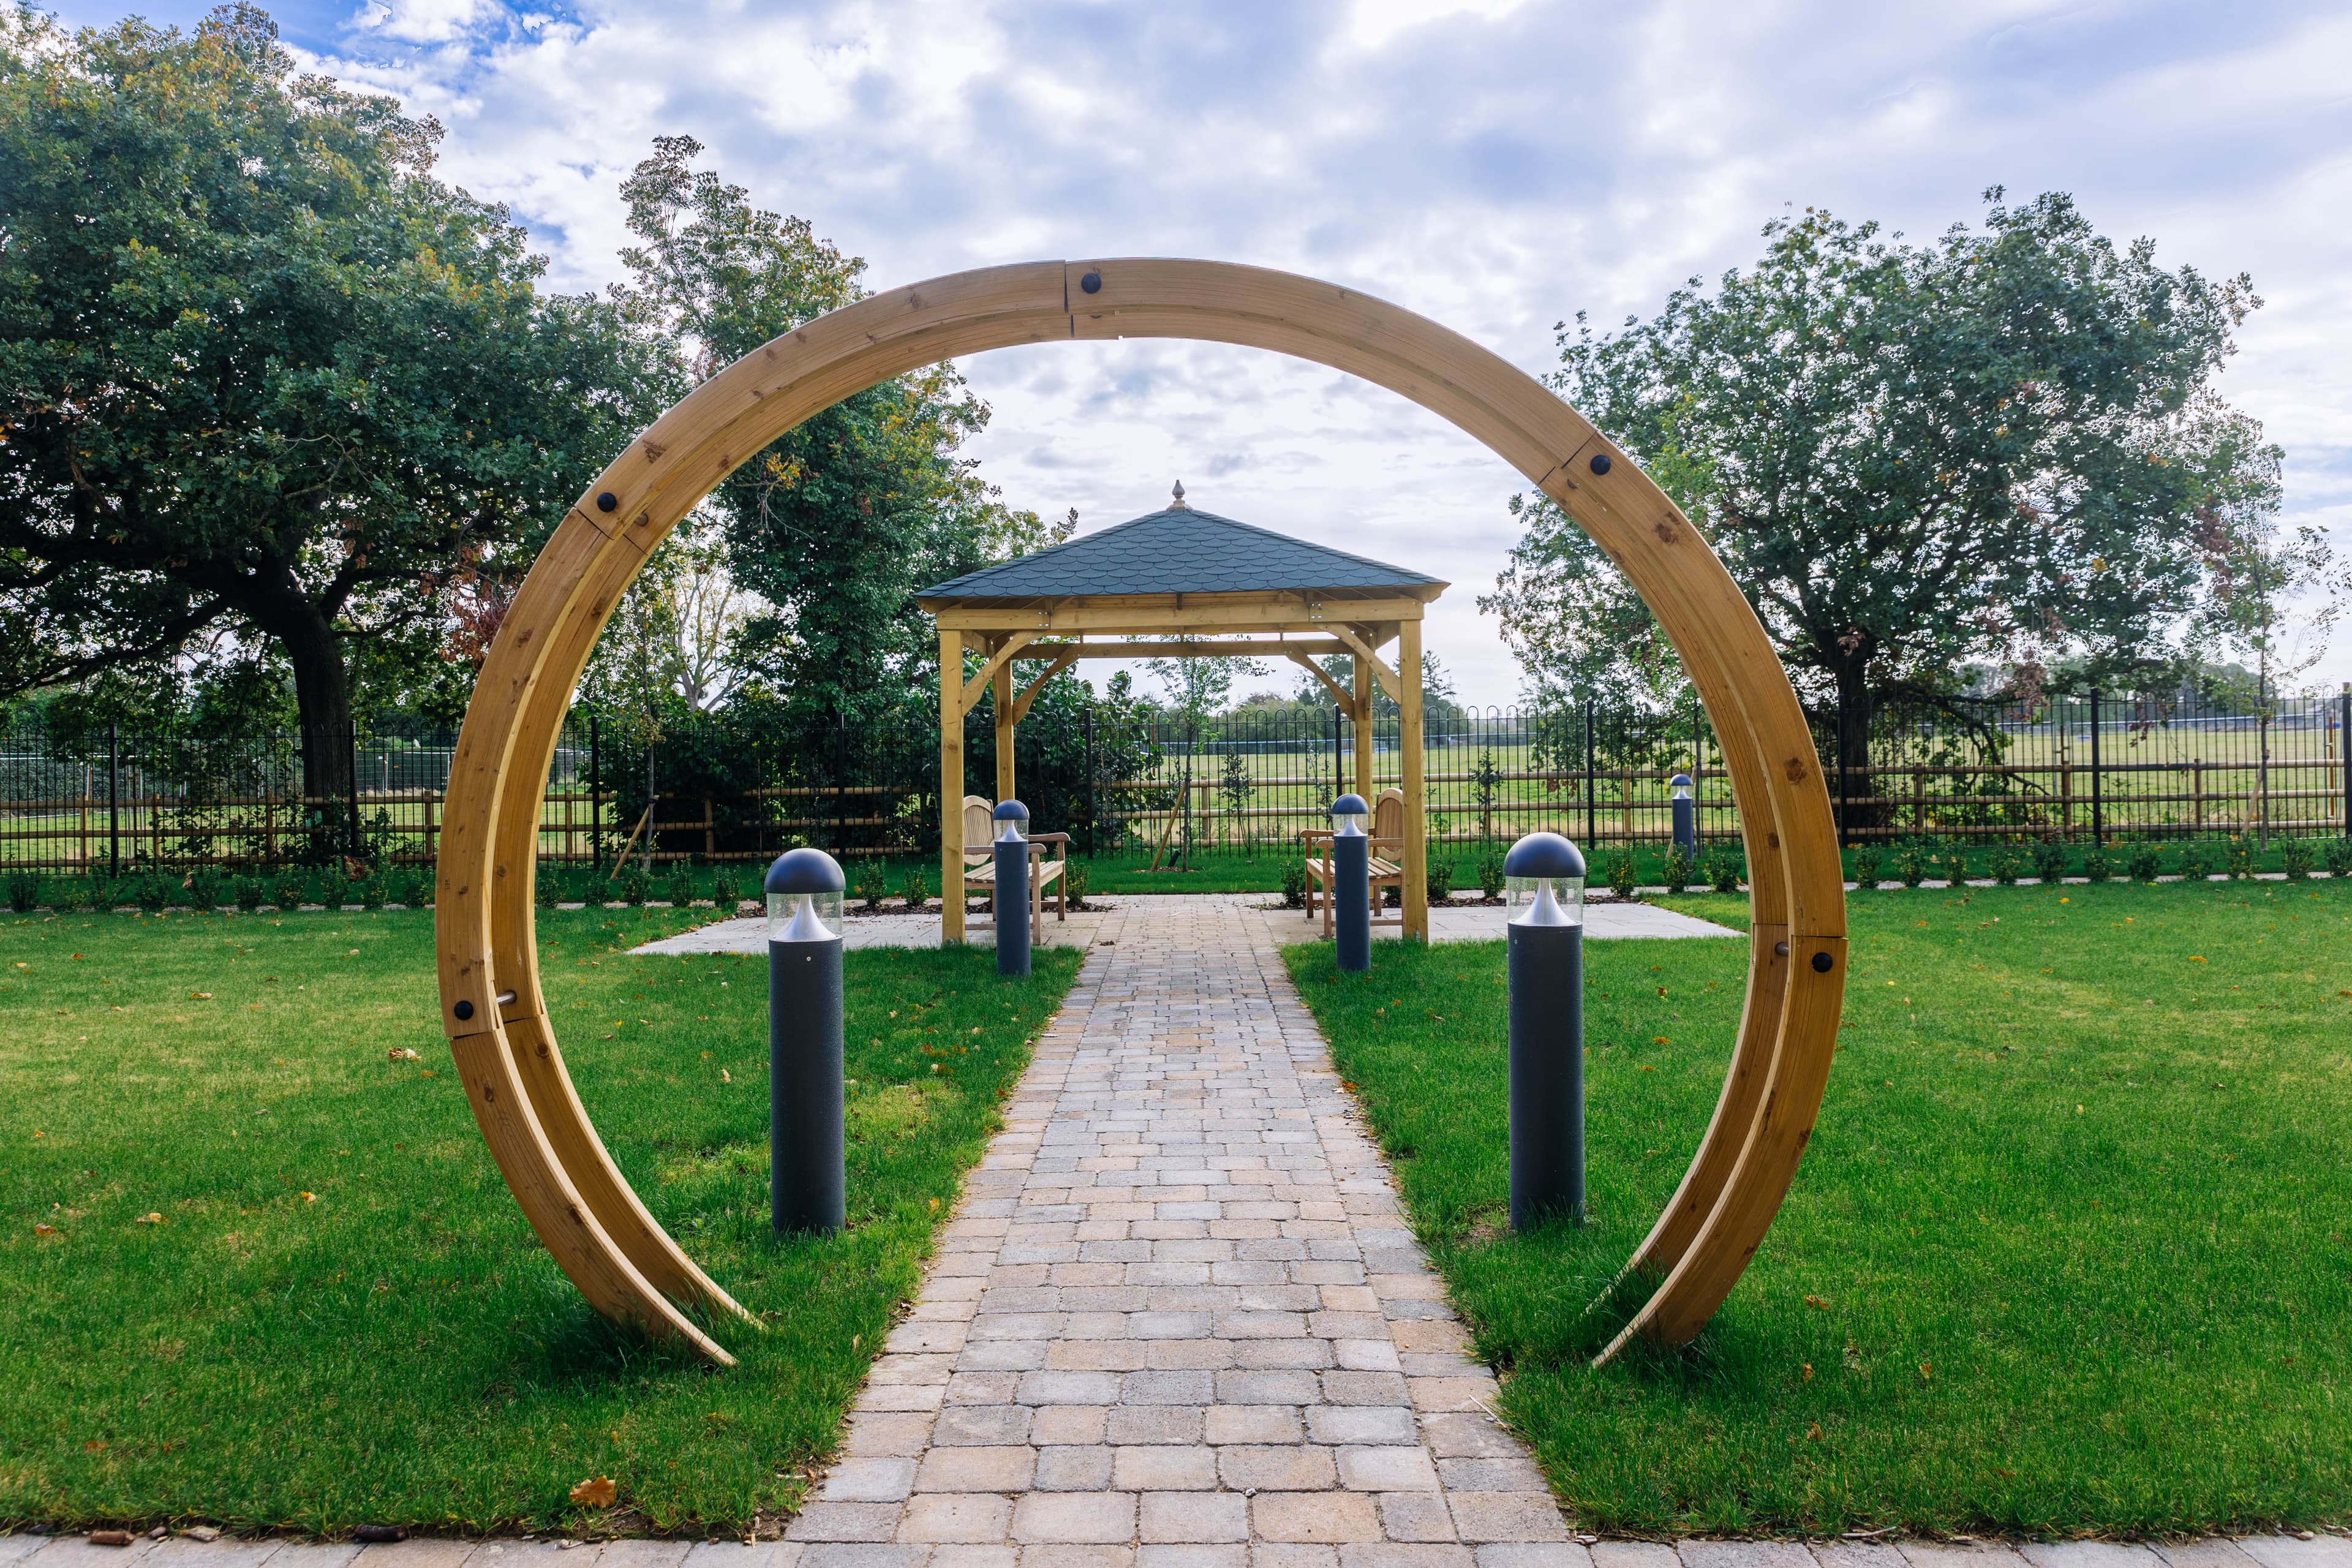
(491, 1004)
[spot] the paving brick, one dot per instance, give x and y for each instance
(1400, 1555)
(1152, 1467)
(1417, 1516)
(1506, 1516)
(1633, 1555)
(1387, 1468)
(1534, 1554)
(1745, 1554)
(2083, 1555)
(1290, 1466)
(954, 1516)
(868, 1480)
(1234, 1556)
(974, 1469)
(1154, 1424)
(1252, 1424)
(980, 1426)
(862, 1522)
(1067, 1425)
(1074, 1469)
(2211, 1552)
(1193, 1519)
(1506, 1473)
(1044, 1518)
(1331, 1517)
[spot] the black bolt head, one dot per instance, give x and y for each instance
(464, 1010)
(608, 501)
(1823, 962)
(1091, 283)
(1599, 462)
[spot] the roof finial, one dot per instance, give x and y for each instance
(1179, 505)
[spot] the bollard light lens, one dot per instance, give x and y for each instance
(1351, 816)
(1545, 900)
(1008, 830)
(803, 917)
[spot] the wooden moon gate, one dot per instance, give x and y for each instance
(491, 1004)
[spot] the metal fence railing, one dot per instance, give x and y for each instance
(2095, 768)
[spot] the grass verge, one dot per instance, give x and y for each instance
(340, 1317)
(2067, 1255)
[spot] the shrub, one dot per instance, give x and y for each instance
(916, 892)
(1621, 874)
(2097, 867)
(869, 884)
(1679, 871)
(546, 886)
(2295, 855)
(207, 889)
(1490, 873)
(2146, 863)
(2196, 862)
(1437, 879)
(24, 891)
(2339, 857)
(678, 885)
(247, 893)
(289, 892)
(2049, 860)
(2239, 856)
(636, 885)
(370, 890)
(1953, 863)
(335, 887)
(726, 888)
(1724, 867)
(1074, 877)
(2008, 865)
(1294, 885)
(1911, 862)
(1869, 866)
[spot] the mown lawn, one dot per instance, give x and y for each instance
(2068, 1254)
(340, 1317)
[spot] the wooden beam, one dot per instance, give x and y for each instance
(1416, 791)
(1296, 615)
(1246, 648)
(1006, 789)
(1062, 659)
(951, 712)
(1339, 693)
(969, 696)
(1363, 748)
(1389, 680)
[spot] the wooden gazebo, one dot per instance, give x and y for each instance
(1205, 586)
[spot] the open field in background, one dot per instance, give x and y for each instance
(2068, 1254)
(340, 1316)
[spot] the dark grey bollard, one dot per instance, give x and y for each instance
(807, 1188)
(1686, 821)
(1011, 889)
(1545, 878)
(1351, 882)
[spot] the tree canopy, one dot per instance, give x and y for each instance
(2002, 446)
(262, 378)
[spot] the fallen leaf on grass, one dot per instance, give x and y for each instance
(41, 1228)
(1814, 1431)
(150, 1219)
(200, 996)
(1816, 1301)
(400, 1054)
(596, 1492)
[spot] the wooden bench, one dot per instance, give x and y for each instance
(980, 861)
(1387, 834)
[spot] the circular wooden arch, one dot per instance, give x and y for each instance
(491, 1004)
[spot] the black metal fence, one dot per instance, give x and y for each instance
(2079, 770)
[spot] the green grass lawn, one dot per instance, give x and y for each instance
(342, 1315)
(2068, 1254)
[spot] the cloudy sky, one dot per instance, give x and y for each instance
(1496, 165)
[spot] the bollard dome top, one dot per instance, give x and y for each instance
(1680, 781)
(805, 872)
(1351, 805)
(1012, 811)
(1543, 854)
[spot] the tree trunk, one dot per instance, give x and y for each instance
(1865, 809)
(322, 693)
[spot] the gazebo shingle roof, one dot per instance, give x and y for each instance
(1180, 550)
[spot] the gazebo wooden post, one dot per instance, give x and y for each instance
(1364, 729)
(1416, 802)
(1002, 691)
(950, 785)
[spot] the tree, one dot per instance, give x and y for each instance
(2257, 569)
(838, 523)
(261, 375)
(1994, 447)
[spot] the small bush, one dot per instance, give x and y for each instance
(1621, 874)
(247, 894)
(869, 883)
(1437, 879)
(369, 890)
(1294, 885)
(24, 892)
(2007, 866)
(1953, 864)
(2146, 863)
(289, 891)
(2294, 856)
(546, 886)
(1490, 873)
(1911, 862)
(1725, 867)
(727, 887)
(677, 887)
(2196, 862)
(1869, 866)
(2097, 867)
(634, 885)
(2339, 857)
(2049, 860)
(207, 889)
(335, 887)
(2238, 855)
(1679, 871)
(915, 889)
(1074, 879)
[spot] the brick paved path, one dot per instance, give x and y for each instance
(1177, 1322)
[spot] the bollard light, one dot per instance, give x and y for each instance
(1543, 881)
(1011, 889)
(1351, 882)
(807, 1188)
(1686, 821)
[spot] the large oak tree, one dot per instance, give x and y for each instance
(261, 375)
